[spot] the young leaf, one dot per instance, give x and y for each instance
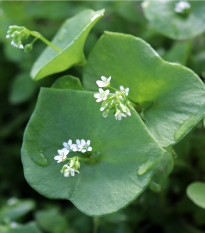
(175, 94)
(70, 38)
(68, 82)
(196, 192)
(166, 20)
(107, 182)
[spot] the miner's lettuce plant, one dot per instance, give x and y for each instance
(108, 152)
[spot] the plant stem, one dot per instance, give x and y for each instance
(40, 37)
(96, 224)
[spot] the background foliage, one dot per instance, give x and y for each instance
(24, 210)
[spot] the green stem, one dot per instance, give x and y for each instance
(40, 37)
(96, 223)
(135, 105)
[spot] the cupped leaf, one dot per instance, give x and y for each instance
(196, 192)
(68, 82)
(105, 184)
(172, 97)
(163, 16)
(70, 38)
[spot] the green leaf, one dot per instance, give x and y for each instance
(179, 53)
(51, 221)
(70, 38)
(162, 171)
(161, 14)
(16, 210)
(68, 82)
(22, 89)
(172, 96)
(105, 184)
(27, 228)
(196, 192)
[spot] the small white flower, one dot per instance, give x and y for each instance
(61, 155)
(102, 95)
(83, 146)
(70, 146)
(67, 170)
(104, 83)
(126, 90)
(181, 6)
(119, 115)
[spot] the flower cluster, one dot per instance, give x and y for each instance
(182, 7)
(117, 101)
(18, 34)
(73, 165)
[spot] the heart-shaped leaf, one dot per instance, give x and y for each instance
(70, 38)
(166, 19)
(196, 192)
(105, 184)
(172, 96)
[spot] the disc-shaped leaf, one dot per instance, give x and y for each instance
(105, 184)
(70, 38)
(163, 16)
(172, 96)
(196, 192)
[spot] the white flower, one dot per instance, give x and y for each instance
(68, 170)
(104, 83)
(119, 115)
(70, 146)
(125, 90)
(102, 95)
(181, 6)
(61, 155)
(83, 146)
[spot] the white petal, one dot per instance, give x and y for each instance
(69, 142)
(100, 83)
(122, 88)
(78, 142)
(97, 95)
(103, 78)
(109, 79)
(90, 148)
(65, 144)
(99, 99)
(57, 157)
(83, 142)
(88, 142)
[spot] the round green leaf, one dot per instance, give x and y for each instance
(104, 185)
(70, 38)
(165, 20)
(172, 96)
(196, 192)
